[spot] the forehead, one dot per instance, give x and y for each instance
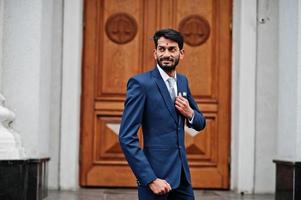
(164, 42)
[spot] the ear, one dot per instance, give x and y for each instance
(155, 54)
(182, 53)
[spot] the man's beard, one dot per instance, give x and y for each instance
(166, 67)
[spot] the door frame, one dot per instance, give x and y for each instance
(242, 98)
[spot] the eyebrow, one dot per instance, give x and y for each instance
(167, 46)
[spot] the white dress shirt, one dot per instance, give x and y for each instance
(165, 76)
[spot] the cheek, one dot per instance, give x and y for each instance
(157, 57)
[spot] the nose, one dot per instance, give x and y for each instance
(166, 53)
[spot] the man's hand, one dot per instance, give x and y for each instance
(159, 186)
(183, 107)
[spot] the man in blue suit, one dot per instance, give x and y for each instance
(161, 167)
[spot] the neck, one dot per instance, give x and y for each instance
(171, 73)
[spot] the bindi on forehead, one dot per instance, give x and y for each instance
(166, 44)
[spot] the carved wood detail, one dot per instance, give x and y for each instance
(121, 28)
(195, 30)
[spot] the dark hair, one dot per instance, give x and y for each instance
(169, 34)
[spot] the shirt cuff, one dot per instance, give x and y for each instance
(191, 120)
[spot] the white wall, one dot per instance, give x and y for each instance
(35, 48)
(1, 28)
(22, 56)
(266, 95)
(298, 106)
(289, 128)
(254, 95)
(32, 51)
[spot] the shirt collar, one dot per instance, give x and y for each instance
(164, 75)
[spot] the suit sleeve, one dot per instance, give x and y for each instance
(199, 121)
(130, 123)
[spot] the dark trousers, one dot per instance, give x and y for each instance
(183, 192)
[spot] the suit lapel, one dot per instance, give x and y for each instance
(164, 93)
(181, 86)
(181, 89)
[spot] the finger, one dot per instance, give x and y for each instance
(185, 104)
(160, 191)
(179, 100)
(182, 101)
(182, 98)
(164, 187)
(169, 187)
(178, 103)
(163, 191)
(179, 108)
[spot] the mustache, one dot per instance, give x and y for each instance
(166, 59)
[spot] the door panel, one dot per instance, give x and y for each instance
(117, 45)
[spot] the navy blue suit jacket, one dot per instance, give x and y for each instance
(148, 104)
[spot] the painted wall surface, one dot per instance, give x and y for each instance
(32, 46)
(289, 76)
(298, 107)
(21, 69)
(254, 95)
(1, 28)
(266, 95)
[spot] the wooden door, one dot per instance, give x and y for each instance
(117, 45)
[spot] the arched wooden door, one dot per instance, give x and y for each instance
(117, 45)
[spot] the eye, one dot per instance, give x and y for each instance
(161, 49)
(172, 49)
